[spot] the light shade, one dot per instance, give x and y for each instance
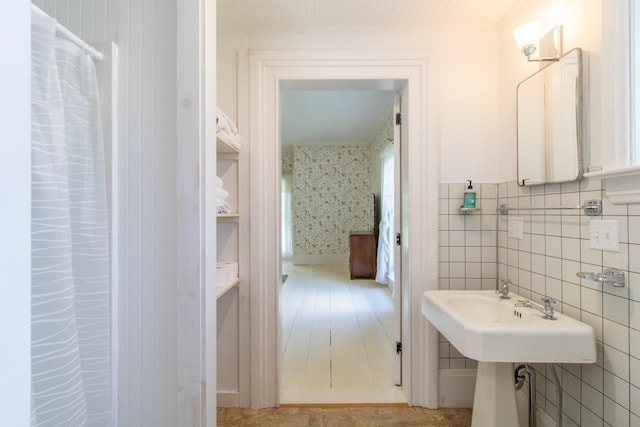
(527, 34)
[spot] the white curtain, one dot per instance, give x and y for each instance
(287, 216)
(70, 332)
(385, 238)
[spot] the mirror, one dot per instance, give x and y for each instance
(550, 123)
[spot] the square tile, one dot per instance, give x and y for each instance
(596, 323)
(616, 389)
(615, 308)
(616, 362)
(571, 294)
(592, 301)
(634, 258)
(569, 270)
(592, 399)
(616, 335)
(635, 406)
(473, 254)
(614, 414)
(634, 315)
(553, 246)
(553, 267)
(571, 226)
(553, 289)
(618, 260)
(553, 225)
(588, 255)
(634, 229)
(593, 375)
(538, 245)
(634, 370)
(456, 254)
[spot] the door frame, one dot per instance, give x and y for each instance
(418, 68)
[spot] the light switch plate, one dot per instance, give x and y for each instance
(604, 235)
(516, 226)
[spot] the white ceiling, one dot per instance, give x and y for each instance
(332, 116)
(313, 114)
(262, 15)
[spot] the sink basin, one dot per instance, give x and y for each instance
(496, 333)
(489, 329)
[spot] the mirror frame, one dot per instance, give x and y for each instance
(580, 120)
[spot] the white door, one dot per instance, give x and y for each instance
(397, 247)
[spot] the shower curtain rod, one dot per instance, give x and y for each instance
(67, 34)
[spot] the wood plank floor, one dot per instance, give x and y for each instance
(344, 417)
(337, 337)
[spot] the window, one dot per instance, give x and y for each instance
(615, 149)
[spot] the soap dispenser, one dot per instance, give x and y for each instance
(469, 200)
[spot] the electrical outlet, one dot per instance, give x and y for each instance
(604, 235)
(516, 226)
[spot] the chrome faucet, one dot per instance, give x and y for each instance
(547, 310)
(504, 289)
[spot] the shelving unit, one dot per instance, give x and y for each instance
(228, 223)
(229, 319)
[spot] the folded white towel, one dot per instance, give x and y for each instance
(222, 206)
(219, 182)
(231, 138)
(224, 123)
(222, 194)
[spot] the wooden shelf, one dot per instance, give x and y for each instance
(224, 146)
(223, 289)
(228, 217)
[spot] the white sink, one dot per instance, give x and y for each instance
(496, 333)
(489, 329)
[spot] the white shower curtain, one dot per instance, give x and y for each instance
(70, 332)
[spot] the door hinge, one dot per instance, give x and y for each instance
(398, 118)
(398, 347)
(398, 240)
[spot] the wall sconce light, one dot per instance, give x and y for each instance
(528, 39)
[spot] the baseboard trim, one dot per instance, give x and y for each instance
(456, 388)
(228, 399)
(321, 259)
(344, 405)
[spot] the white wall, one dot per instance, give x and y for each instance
(15, 213)
(468, 85)
(581, 21)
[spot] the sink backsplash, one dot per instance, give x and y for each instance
(555, 246)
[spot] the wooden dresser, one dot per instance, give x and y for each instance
(362, 255)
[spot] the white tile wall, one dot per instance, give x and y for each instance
(602, 393)
(545, 262)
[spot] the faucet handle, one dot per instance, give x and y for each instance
(548, 309)
(504, 289)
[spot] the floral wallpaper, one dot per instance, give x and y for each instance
(331, 197)
(287, 160)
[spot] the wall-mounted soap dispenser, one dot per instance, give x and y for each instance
(469, 200)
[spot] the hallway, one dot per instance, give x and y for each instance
(336, 337)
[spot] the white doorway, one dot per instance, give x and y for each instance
(267, 69)
(339, 335)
